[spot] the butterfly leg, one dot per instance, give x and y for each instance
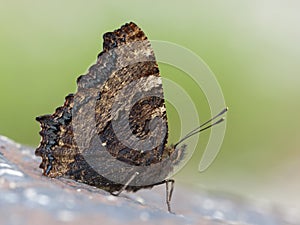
(125, 185)
(169, 192)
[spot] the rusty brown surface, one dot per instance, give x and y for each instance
(27, 197)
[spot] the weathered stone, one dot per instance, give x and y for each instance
(28, 197)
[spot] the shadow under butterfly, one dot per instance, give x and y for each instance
(112, 133)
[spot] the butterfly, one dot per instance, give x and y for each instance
(112, 133)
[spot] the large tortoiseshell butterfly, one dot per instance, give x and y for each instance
(112, 133)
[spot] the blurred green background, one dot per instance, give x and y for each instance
(251, 46)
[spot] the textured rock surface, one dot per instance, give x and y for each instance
(27, 197)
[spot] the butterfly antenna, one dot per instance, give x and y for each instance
(200, 128)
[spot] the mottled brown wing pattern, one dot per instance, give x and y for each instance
(127, 57)
(57, 140)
